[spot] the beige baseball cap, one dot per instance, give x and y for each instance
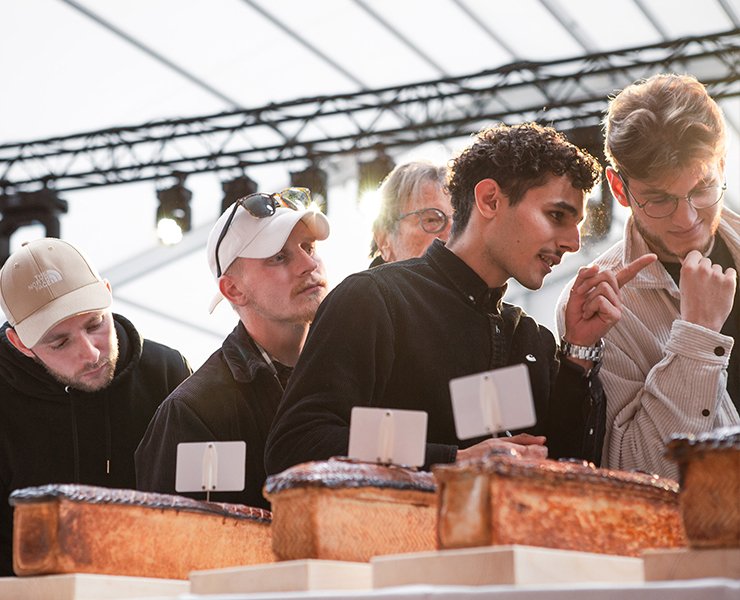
(45, 282)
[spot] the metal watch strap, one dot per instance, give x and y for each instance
(592, 353)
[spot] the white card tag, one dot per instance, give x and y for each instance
(388, 436)
(493, 401)
(210, 466)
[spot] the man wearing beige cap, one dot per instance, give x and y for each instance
(78, 384)
(262, 254)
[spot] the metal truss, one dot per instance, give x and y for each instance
(568, 93)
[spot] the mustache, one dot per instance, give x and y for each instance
(313, 282)
(94, 366)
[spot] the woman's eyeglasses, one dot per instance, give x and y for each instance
(261, 206)
(431, 220)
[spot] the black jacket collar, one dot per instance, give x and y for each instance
(464, 279)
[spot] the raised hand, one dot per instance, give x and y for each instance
(594, 304)
(707, 293)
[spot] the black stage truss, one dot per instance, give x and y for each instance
(568, 93)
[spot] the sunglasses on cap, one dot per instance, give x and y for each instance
(261, 206)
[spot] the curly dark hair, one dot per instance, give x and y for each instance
(518, 158)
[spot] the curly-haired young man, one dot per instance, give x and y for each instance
(669, 366)
(518, 195)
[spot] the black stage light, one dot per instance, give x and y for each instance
(173, 212)
(237, 188)
(372, 172)
(20, 209)
(314, 178)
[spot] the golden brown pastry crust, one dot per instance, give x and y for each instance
(344, 510)
(338, 473)
(85, 529)
(709, 472)
(510, 500)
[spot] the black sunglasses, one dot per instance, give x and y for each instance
(261, 206)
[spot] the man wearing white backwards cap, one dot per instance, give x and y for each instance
(262, 254)
(78, 385)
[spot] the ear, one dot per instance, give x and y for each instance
(488, 197)
(382, 240)
(617, 187)
(233, 288)
(16, 342)
(107, 284)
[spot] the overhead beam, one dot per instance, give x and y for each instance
(571, 26)
(152, 53)
(301, 39)
(568, 93)
(401, 38)
(478, 22)
(652, 18)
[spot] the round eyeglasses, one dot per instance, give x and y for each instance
(665, 205)
(431, 220)
(261, 206)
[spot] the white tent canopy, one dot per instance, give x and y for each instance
(83, 65)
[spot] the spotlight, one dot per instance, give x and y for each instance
(26, 208)
(372, 172)
(173, 212)
(237, 188)
(314, 179)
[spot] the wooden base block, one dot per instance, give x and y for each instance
(691, 564)
(288, 576)
(88, 587)
(503, 565)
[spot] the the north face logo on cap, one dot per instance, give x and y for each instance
(45, 280)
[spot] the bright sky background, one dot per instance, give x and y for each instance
(65, 73)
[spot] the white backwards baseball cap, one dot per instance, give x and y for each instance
(251, 237)
(45, 282)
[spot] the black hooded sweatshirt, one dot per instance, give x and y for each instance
(53, 434)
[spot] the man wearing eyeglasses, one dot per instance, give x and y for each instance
(262, 253)
(394, 336)
(415, 209)
(668, 365)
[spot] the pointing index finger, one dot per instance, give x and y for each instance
(629, 272)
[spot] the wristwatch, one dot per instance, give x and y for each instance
(592, 353)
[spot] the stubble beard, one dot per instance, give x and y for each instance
(76, 382)
(307, 313)
(656, 244)
(301, 311)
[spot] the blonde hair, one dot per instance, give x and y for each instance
(662, 124)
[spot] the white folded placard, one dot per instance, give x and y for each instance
(491, 402)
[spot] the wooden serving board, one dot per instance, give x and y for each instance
(503, 565)
(88, 587)
(288, 576)
(691, 564)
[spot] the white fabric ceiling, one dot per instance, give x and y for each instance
(74, 66)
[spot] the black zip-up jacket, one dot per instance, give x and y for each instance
(49, 434)
(232, 397)
(395, 335)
